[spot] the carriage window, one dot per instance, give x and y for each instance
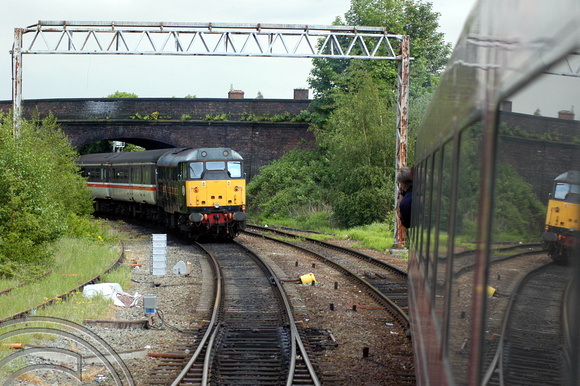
(433, 235)
(463, 252)
(425, 232)
(420, 202)
(215, 165)
(136, 175)
(195, 169)
(146, 173)
(235, 169)
(537, 142)
(442, 237)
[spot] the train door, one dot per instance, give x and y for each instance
(105, 181)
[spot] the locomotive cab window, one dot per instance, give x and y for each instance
(215, 165)
(235, 169)
(567, 192)
(195, 170)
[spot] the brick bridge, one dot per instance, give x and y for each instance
(183, 122)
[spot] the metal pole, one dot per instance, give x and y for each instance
(17, 81)
(402, 125)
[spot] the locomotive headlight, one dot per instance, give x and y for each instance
(217, 205)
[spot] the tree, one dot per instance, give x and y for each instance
(122, 94)
(359, 139)
(410, 17)
(41, 191)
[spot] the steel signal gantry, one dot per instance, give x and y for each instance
(220, 39)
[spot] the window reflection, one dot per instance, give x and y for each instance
(442, 252)
(235, 169)
(466, 214)
(536, 143)
(195, 169)
(215, 165)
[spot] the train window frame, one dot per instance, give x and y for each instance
(237, 169)
(434, 253)
(420, 220)
(195, 170)
(136, 175)
(213, 165)
(428, 202)
(570, 189)
(453, 307)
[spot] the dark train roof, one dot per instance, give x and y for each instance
(570, 177)
(134, 156)
(204, 154)
(164, 157)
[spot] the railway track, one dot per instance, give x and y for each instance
(251, 337)
(465, 261)
(531, 348)
(385, 283)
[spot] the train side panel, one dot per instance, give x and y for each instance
(486, 154)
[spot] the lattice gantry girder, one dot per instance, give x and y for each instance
(211, 39)
(218, 39)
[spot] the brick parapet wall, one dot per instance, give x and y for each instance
(124, 108)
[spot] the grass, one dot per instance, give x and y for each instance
(377, 236)
(77, 261)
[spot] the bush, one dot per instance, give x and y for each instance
(289, 186)
(40, 189)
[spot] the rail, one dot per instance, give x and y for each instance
(397, 312)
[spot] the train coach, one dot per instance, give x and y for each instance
(487, 152)
(196, 191)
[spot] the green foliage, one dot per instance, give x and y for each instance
(122, 94)
(189, 96)
(354, 116)
(185, 117)
(290, 186)
(360, 140)
(303, 116)
(153, 116)
(40, 189)
(408, 17)
(216, 117)
(285, 117)
(518, 213)
(377, 236)
(76, 260)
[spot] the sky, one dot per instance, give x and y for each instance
(95, 76)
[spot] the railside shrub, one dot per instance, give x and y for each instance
(40, 188)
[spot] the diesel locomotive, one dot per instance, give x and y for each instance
(196, 191)
(561, 233)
